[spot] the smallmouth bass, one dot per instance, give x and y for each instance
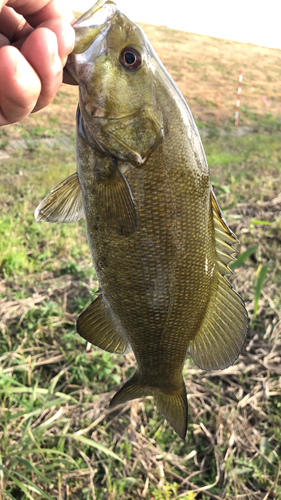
(159, 242)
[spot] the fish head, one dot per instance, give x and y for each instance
(113, 63)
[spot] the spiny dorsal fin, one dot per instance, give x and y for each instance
(115, 199)
(225, 238)
(221, 336)
(97, 327)
(63, 204)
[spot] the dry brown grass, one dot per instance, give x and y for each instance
(230, 413)
(203, 65)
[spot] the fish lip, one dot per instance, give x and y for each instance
(91, 17)
(87, 29)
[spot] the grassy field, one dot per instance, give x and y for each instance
(58, 439)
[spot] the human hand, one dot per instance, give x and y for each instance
(35, 40)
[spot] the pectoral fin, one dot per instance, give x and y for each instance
(115, 199)
(63, 204)
(96, 325)
(224, 327)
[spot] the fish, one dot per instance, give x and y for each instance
(159, 242)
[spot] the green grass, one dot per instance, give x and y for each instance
(261, 123)
(58, 439)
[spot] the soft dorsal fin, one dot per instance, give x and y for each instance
(221, 336)
(63, 204)
(96, 325)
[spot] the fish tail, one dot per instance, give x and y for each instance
(174, 408)
(172, 404)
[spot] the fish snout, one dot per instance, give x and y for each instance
(88, 28)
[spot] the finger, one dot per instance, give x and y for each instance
(4, 40)
(16, 28)
(41, 51)
(13, 25)
(39, 11)
(19, 96)
(65, 36)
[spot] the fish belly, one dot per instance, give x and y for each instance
(158, 280)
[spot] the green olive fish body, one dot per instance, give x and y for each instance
(159, 242)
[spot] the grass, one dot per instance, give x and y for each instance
(58, 437)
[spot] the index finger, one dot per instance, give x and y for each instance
(39, 11)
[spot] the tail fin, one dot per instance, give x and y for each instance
(173, 406)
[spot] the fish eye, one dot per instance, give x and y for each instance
(130, 58)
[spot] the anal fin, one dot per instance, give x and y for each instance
(96, 325)
(63, 204)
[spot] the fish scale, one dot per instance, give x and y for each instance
(159, 242)
(148, 272)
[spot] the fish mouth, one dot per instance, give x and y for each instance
(96, 21)
(100, 13)
(92, 23)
